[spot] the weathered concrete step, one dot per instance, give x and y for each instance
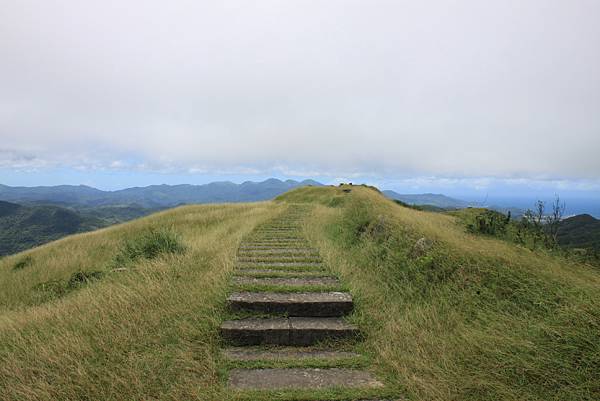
(278, 240)
(278, 244)
(321, 304)
(298, 331)
(282, 273)
(288, 282)
(260, 246)
(275, 240)
(282, 232)
(302, 269)
(285, 227)
(248, 250)
(243, 265)
(284, 354)
(283, 256)
(274, 237)
(278, 259)
(277, 229)
(284, 253)
(297, 378)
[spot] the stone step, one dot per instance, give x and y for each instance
(287, 282)
(281, 273)
(273, 237)
(297, 245)
(284, 253)
(277, 230)
(268, 251)
(294, 227)
(299, 378)
(246, 265)
(316, 304)
(284, 354)
(284, 257)
(278, 259)
(298, 331)
(267, 241)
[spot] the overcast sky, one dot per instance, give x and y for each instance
(385, 90)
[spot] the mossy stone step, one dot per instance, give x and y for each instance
(297, 331)
(259, 242)
(281, 273)
(284, 257)
(259, 247)
(315, 304)
(287, 281)
(269, 260)
(246, 265)
(277, 238)
(284, 354)
(298, 378)
(266, 251)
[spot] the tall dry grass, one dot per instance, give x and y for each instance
(145, 333)
(471, 318)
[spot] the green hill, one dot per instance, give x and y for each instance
(581, 231)
(132, 312)
(25, 226)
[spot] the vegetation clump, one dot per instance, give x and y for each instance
(489, 222)
(57, 288)
(23, 263)
(81, 278)
(149, 245)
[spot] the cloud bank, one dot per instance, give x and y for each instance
(385, 88)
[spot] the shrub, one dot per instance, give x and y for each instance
(23, 263)
(489, 222)
(81, 278)
(149, 245)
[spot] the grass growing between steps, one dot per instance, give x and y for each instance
(356, 362)
(284, 288)
(147, 330)
(452, 316)
(339, 394)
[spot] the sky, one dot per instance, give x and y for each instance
(461, 97)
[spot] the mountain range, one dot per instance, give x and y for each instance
(30, 216)
(153, 196)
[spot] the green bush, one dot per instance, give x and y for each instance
(81, 278)
(489, 222)
(149, 245)
(23, 263)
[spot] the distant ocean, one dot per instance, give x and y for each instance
(573, 205)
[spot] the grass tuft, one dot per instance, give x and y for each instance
(149, 245)
(23, 263)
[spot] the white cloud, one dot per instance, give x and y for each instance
(337, 88)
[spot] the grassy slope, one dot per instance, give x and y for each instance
(471, 318)
(148, 333)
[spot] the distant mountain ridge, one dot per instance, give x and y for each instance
(153, 196)
(581, 231)
(23, 227)
(437, 200)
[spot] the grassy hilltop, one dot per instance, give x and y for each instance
(131, 312)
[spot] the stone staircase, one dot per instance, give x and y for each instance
(288, 310)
